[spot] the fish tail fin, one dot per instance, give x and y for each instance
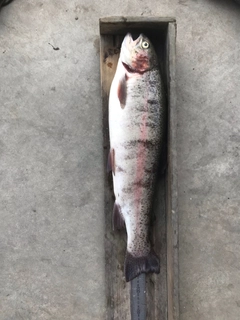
(137, 265)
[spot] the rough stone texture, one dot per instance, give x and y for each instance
(51, 167)
(208, 160)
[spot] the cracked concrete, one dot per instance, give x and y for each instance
(51, 167)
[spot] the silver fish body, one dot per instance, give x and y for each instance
(136, 123)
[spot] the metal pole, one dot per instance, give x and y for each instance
(138, 298)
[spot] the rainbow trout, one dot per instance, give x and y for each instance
(136, 123)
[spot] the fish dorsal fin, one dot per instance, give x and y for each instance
(122, 91)
(111, 161)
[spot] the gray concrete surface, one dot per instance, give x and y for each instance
(51, 209)
(208, 160)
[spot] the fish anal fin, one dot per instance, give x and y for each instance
(118, 220)
(137, 265)
(111, 161)
(122, 92)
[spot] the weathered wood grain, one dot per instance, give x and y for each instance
(121, 25)
(172, 207)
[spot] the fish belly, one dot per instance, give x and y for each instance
(136, 136)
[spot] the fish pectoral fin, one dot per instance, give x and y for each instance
(111, 161)
(137, 265)
(118, 220)
(122, 92)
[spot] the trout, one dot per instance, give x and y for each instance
(137, 111)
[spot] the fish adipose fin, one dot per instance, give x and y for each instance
(111, 161)
(137, 265)
(122, 92)
(118, 220)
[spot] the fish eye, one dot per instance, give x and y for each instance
(145, 45)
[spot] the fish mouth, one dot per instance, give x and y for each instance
(128, 40)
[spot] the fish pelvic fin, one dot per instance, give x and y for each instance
(118, 220)
(137, 265)
(111, 161)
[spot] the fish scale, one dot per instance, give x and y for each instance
(136, 123)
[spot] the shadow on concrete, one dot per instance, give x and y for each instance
(4, 3)
(227, 3)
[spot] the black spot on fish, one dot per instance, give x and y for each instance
(153, 83)
(140, 108)
(132, 143)
(152, 101)
(130, 156)
(142, 184)
(152, 125)
(119, 169)
(127, 190)
(147, 170)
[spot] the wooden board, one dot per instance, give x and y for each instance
(162, 289)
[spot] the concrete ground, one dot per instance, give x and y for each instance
(51, 167)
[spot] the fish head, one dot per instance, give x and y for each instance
(138, 55)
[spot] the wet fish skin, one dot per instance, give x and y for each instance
(137, 110)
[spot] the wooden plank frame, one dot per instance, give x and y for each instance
(162, 289)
